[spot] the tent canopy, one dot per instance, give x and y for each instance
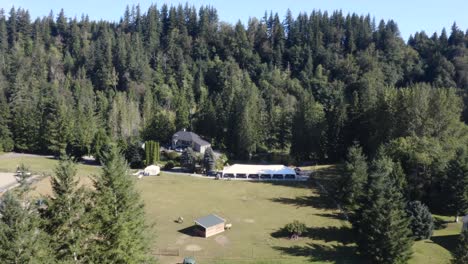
(152, 170)
(258, 169)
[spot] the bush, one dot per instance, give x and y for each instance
(172, 155)
(295, 228)
(422, 222)
(169, 165)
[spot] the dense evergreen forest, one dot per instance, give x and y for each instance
(310, 85)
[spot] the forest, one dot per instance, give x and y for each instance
(309, 86)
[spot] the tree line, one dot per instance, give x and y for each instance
(307, 86)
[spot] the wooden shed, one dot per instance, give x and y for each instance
(211, 225)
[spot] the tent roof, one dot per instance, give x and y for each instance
(209, 221)
(258, 169)
(152, 167)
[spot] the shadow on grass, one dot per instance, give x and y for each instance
(448, 242)
(316, 252)
(337, 216)
(321, 202)
(193, 231)
(291, 183)
(341, 234)
(439, 223)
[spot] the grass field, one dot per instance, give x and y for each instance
(257, 211)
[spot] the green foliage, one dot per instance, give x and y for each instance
(381, 223)
(23, 177)
(134, 154)
(152, 152)
(21, 239)
(189, 159)
(422, 222)
(295, 228)
(169, 165)
(66, 218)
(456, 186)
(460, 256)
(118, 216)
(209, 160)
(352, 185)
(221, 161)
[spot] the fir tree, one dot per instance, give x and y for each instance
(422, 222)
(381, 223)
(66, 216)
(209, 160)
(456, 189)
(21, 239)
(460, 256)
(354, 180)
(119, 220)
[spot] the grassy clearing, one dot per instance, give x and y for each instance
(257, 211)
(44, 166)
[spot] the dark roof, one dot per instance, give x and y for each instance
(209, 221)
(190, 136)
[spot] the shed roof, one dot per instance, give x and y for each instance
(258, 169)
(190, 136)
(209, 221)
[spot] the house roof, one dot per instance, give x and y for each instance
(209, 221)
(190, 136)
(258, 169)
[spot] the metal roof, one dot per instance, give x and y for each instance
(209, 221)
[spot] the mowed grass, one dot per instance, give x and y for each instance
(43, 166)
(257, 211)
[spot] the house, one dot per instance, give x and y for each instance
(210, 225)
(184, 139)
(258, 172)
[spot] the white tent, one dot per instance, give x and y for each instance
(248, 171)
(152, 170)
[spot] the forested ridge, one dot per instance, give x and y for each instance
(310, 85)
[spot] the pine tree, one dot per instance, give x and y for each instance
(119, 220)
(422, 222)
(209, 160)
(460, 256)
(188, 159)
(21, 239)
(66, 217)
(354, 179)
(456, 186)
(381, 223)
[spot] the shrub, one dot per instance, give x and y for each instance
(422, 222)
(295, 228)
(172, 155)
(169, 165)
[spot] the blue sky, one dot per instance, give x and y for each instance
(411, 15)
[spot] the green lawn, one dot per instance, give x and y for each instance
(257, 211)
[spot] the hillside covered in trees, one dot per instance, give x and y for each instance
(310, 85)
